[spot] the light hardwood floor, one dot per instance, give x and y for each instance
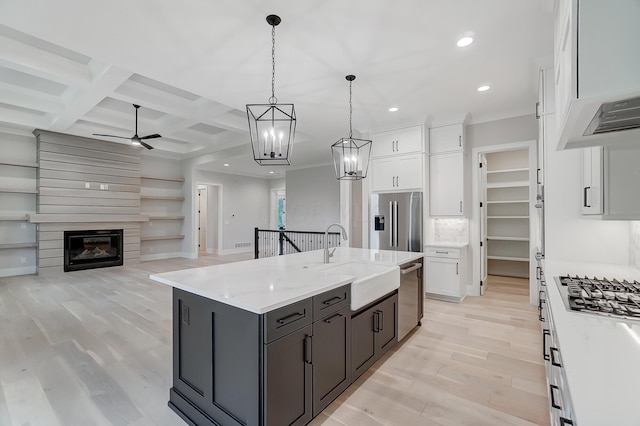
(94, 348)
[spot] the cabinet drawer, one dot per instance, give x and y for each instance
(287, 319)
(452, 253)
(331, 301)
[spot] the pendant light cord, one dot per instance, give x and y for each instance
(273, 100)
(350, 112)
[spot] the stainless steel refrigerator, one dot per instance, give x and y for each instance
(396, 221)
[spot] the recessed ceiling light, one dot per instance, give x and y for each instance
(483, 88)
(465, 41)
(393, 109)
(271, 172)
(226, 164)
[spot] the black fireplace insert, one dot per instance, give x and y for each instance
(92, 249)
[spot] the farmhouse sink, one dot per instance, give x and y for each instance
(372, 280)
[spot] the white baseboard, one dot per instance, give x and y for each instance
(236, 251)
(12, 272)
(211, 250)
(160, 256)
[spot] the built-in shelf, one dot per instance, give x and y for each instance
(19, 163)
(510, 258)
(18, 217)
(507, 217)
(513, 184)
(508, 202)
(161, 237)
(168, 179)
(161, 197)
(523, 169)
(164, 216)
(19, 191)
(496, 238)
(17, 245)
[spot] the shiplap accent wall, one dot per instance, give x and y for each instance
(85, 184)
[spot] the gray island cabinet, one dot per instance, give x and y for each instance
(272, 342)
(235, 367)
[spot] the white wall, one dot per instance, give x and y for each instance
(313, 198)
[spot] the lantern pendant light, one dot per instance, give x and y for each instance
(272, 126)
(351, 155)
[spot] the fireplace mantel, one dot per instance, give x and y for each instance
(86, 218)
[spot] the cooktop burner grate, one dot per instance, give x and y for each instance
(603, 296)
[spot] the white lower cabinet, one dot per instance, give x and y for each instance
(402, 172)
(446, 184)
(444, 272)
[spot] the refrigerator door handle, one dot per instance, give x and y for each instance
(391, 223)
(395, 223)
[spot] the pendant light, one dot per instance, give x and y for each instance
(351, 155)
(272, 126)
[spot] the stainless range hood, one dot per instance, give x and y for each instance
(615, 116)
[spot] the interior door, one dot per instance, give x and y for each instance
(202, 219)
(482, 170)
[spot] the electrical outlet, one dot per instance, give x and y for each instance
(87, 185)
(106, 186)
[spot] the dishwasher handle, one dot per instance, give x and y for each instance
(411, 268)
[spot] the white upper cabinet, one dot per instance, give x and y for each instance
(401, 141)
(398, 173)
(592, 165)
(596, 61)
(446, 139)
(446, 183)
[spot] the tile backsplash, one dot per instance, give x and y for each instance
(634, 244)
(450, 230)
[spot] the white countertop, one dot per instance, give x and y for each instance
(600, 355)
(262, 285)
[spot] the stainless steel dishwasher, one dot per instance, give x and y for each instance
(410, 297)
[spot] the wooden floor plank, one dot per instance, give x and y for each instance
(95, 347)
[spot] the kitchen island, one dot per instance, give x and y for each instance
(273, 341)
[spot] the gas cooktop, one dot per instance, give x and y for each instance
(620, 299)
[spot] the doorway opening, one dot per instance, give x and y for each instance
(504, 193)
(278, 217)
(208, 230)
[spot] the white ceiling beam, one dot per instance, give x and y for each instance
(30, 99)
(40, 63)
(22, 118)
(79, 104)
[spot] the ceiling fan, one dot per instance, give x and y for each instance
(135, 139)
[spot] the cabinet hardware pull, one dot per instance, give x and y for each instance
(538, 176)
(442, 252)
(537, 273)
(552, 351)
(457, 268)
(307, 349)
(541, 318)
(376, 322)
(586, 188)
(397, 181)
(553, 400)
(537, 110)
(460, 140)
(380, 320)
(331, 318)
(410, 269)
(545, 333)
(290, 318)
(565, 421)
(460, 206)
(332, 301)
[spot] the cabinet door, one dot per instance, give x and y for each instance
(386, 313)
(446, 184)
(383, 176)
(400, 141)
(409, 172)
(592, 183)
(331, 360)
(442, 276)
(288, 373)
(446, 139)
(622, 177)
(363, 344)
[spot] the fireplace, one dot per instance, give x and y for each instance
(92, 249)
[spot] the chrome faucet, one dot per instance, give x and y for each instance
(328, 255)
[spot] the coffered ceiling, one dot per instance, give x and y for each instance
(77, 66)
